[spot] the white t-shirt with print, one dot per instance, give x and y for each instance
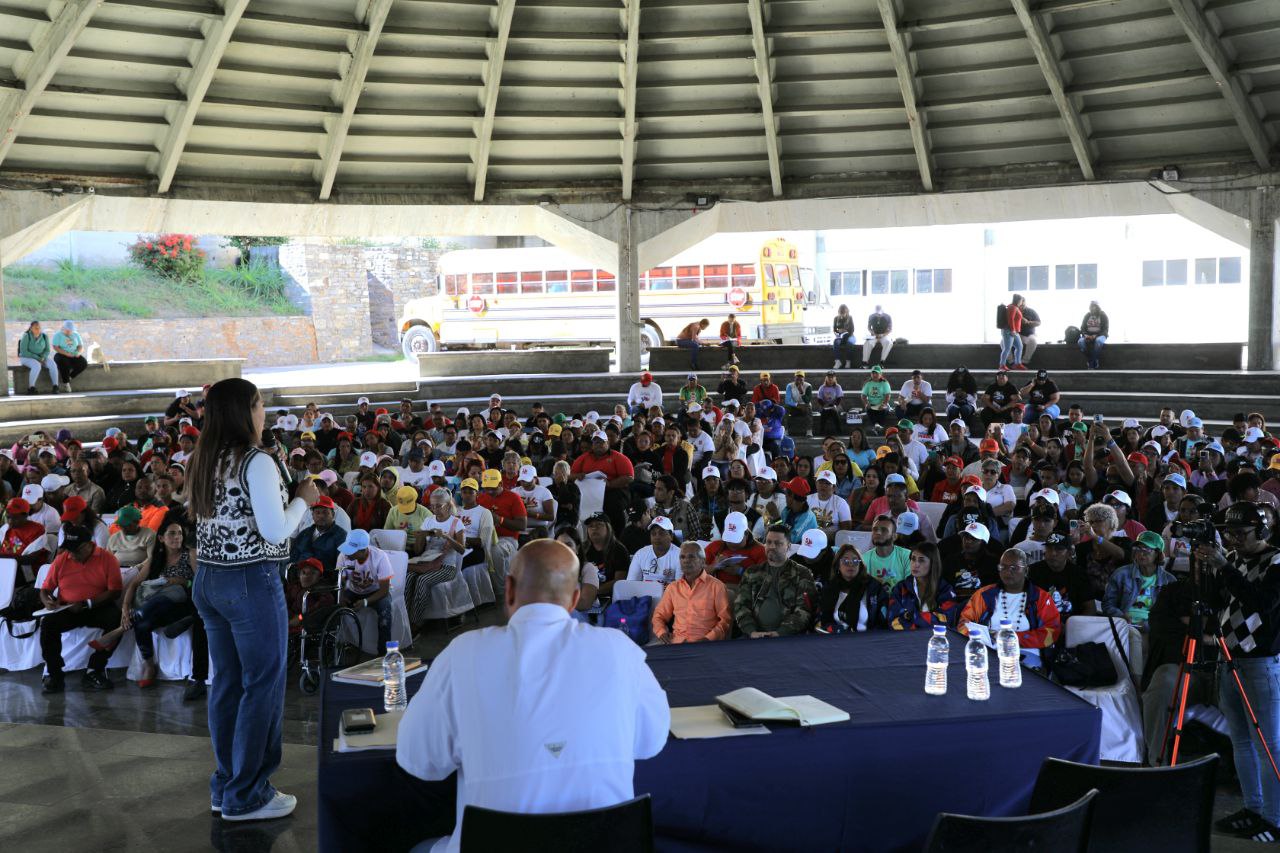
(364, 578)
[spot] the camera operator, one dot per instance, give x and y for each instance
(1246, 595)
(1193, 522)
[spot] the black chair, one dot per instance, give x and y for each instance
(624, 828)
(1065, 830)
(1124, 818)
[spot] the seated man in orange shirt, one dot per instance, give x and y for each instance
(85, 580)
(736, 551)
(694, 608)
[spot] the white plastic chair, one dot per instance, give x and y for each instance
(479, 584)
(932, 511)
(451, 598)
(390, 540)
(860, 539)
(75, 643)
(368, 617)
(622, 590)
(592, 492)
(1120, 704)
(8, 579)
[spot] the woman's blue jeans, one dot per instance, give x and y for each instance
(1261, 679)
(244, 614)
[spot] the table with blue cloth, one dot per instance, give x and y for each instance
(874, 783)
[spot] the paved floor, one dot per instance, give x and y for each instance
(127, 770)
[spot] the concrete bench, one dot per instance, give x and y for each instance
(938, 357)
(189, 373)
(515, 362)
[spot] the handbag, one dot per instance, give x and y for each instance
(1086, 665)
(154, 587)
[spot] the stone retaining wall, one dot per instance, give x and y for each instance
(260, 341)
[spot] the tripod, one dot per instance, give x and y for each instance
(1204, 622)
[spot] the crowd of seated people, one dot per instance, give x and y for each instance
(898, 521)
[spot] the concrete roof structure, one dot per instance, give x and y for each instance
(606, 100)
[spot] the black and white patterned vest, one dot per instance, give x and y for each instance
(230, 536)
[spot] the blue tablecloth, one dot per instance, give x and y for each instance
(874, 783)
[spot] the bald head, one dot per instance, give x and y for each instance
(544, 571)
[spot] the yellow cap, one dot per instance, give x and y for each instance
(554, 430)
(406, 496)
(470, 483)
(882, 450)
(491, 478)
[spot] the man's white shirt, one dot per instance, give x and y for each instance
(647, 566)
(650, 395)
(543, 715)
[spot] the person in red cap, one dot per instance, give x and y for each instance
(321, 539)
(23, 541)
(949, 489)
(307, 603)
(988, 448)
(796, 515)
(75, 510)
(644, 394)
(688, 339)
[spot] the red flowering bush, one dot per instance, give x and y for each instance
(173, 256)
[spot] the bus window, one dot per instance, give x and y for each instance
(715, 275)
(584, 281)
(783, 273)
(507, 283)
(660, 278)
(530, 282)
(744, 276)
(455, 285)
(557, 281)
(605, 282)
(688, 278)
(768, 274)
(482, 283)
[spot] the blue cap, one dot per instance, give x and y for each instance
(357, 540)
(1178, 480)
(939, 629)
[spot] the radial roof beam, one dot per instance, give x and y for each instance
(630, 68)
(349, 95)
(1206, 42)
(44, 62)
(907, 83)
(764, 83)
(492, 86)
(216, 39)
(1046, 57)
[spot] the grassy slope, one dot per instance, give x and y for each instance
(127, 292)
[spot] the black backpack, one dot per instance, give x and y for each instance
(1071, 335)
(1002, 316)
(22, 607)
(879, 324)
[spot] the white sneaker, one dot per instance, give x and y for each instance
(281, 805)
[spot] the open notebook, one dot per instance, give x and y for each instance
(757, 705)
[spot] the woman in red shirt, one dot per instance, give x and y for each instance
(369, 510)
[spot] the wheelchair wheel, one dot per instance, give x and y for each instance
(308, 682)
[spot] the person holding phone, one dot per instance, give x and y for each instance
(244, 518)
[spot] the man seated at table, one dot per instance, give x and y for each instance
(778, 598)
(694, 608)
(1029, 609)
(85, 579)
(542, 715)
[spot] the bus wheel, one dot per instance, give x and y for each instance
(650, 337)
(417, 341)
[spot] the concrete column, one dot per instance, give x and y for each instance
(1264, 333)
(628, 338)
(4, 343)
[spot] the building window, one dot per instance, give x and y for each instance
(890, 281)
(846, 283)
(933, 281)
(1152, 273)
(1039, 278)
(1176, 271)
(1228, 270)
(1017, 279)
(1086, 276)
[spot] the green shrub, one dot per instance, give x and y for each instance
(171, 256)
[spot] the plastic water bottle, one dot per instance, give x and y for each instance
(393, 694)
(975, 666)
(935, 677)
(1008, 650)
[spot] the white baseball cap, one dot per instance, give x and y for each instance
(827, 475)
(813, 543)
(591, 417)
(735, 528)
(694, 408)
(1253, 434)
(599, 435)
(179, 394)
(1185, 417)
(436, 469)
(362, 401)
(1119, 496)
(895, 479)
(32, 493)
(1129, 423)
(368, 459)
(1159, 430)
(731, 404)
(663, 522)
(528, 474)
(977, 490)
(710, 471)
(767, 474)
(1046, 494)
(977, 530)
(908, 522)
(53, 482)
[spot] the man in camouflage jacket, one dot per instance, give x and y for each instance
(778, 598)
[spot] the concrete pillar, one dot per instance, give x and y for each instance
(628, 337)
(1263, 290)
(4, 343)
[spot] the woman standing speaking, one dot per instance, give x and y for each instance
(243, 521)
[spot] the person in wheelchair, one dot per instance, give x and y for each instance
(366, 580)
(309, 599)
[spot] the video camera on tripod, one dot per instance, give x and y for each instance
(1200, 530)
